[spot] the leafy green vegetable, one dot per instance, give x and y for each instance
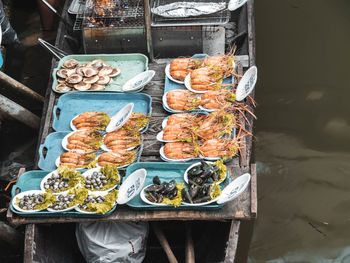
(178, 198)
(112, 174)
(106, 206)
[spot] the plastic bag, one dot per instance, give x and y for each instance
(106, 242)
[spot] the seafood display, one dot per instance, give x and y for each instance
(137, 122)
(94, 120)
(178, 132)
(68, 201)
(63, 179)
(223, 64)
(180, 67)
(84, 140)
(199, 192)
(185, 119)
(122, 139)
(94, 75)
(77, 160)
(164, 193)
(217, 99)
(62, 202)
(99, 204)
(118, 158)
(180, 150)
(223, 148)
(206, 78)
(101, 179)
(182, 100)
(34, 201)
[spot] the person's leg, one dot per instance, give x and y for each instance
(47, 16)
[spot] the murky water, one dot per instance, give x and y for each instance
(303, 131)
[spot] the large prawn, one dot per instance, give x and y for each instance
(85, 141)
(182, 100)
(136, 122)
(96, 120)
(77, 160)
(181, 67)
(180, 150)
(117, 158)
(217, 99)
(122, 139)
(223, 148)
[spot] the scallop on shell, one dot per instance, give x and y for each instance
(70, 63)
(98, 63)
(115, 72)
(82, 86)
(103, 80)
(97, 87)
(105, 71)
(89, 71)
(63, 88)
(65, 73)
(92, 79)
(74, 79)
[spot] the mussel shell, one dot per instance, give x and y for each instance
(195, 171)
(70, 63)
(169, 187)
(156, 180)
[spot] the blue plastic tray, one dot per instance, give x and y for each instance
(166, 172)
(31, 181)
(72, 104)
(171, 85)
(53, 147)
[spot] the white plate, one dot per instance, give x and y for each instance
(44, 181)
(63, 210)
(119, 119)
(167, 73)
(143, 198)
(162, 155)
(196, 164)
(247, 83)
(200, 204)
(131, 186)
(210, 158)
(20, 196)
(188, 85)
(208, 110)
(101, 193)
(89, 172)
(165, 122)
(235, 4)
(139, 81)
(234, 189)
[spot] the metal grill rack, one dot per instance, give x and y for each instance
(117, 13)
(219, 18)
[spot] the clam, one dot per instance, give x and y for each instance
(103, 80)
(79, 71)
(70, 63)
(63, 88)
(82, 86)
(74, 79)
(110, 81)
(64, 73)
(115, 72)
(89, 71)
(97, 87)
(105, 71)
(92, 79)
(98, 63)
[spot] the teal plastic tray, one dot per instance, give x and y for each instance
(129, 64)
(53, 148)
(72, 104)
(171, 85)
(166, 172)
(31, 181)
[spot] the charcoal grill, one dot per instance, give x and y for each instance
(117, 26)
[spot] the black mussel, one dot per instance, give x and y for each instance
(195, 171)
(169, 187)
(191, 182)
(156, 180)
(204, 165)
(173, 194)
(152, 188)
(193, 191)
(159, 198)
(202, 199)
(198, 180)
(208, 173)
(151, 197)
(186, 196)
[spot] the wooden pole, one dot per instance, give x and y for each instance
(12, 109)
(190, 256)
(20, 87)
(164, 242)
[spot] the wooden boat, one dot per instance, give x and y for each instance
(212, 240)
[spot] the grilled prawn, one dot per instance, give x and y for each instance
(84, 140)
(180, 150)
(223, 64)
(223, 148)
(117, 158)
(180, 67)
(96, 120)
(77, 160)
(136, 122)
(182, 100)
(217, 99)
(206, 78)
(122, 139)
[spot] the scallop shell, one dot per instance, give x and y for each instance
(65, 73)
(70, 63)
(74, 79)
(82, 86)
(92, 79)
(89, 71)
(105, 71)
(63, 88)
(103, 80)
(115, 72)
(97, 87)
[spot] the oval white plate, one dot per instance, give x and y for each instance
(162, 155)
(131, 186)
(188, 85)
(89, 172)
(44, 181)
(200, 204)
(90, 213)
(139, 81)
(208, 110)
(234, 189)
(20, 195)
(210, 158)
(235, 4)
(247, 83)
(64, 210)
(196, 164)
(165, 122)
(143, 198)
(119, 119)
(167, 73)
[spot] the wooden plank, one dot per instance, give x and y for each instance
(189, 248)
(164, 243)
(253, 192)
(29, 244)
(232, 243)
